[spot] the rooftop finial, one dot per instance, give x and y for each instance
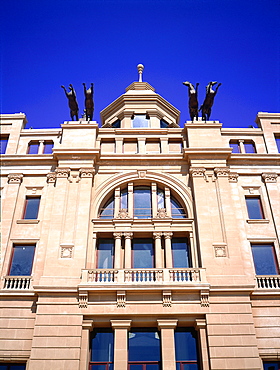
(140, 68)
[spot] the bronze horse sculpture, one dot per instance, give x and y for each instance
(72, 102)
(193, 102)
(89, 105)
(209, 100)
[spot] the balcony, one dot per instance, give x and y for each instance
(268, 281)
(17, 283)
(144, 277)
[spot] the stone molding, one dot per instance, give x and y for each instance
(15, 178)
(66, 251)
(270, 177)
(87, 325)
(200, 324)
(120, 324)
(167, 324)
(220, 250)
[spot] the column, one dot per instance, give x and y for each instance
(154, 200)
(127, 250)
(241, 146)
(168, 250)
(91, 256)
(87, 327)
(41, 147)
(167, 202)
(167, 343)
(117, 202)
(158, 254)
(130, 199)
(202, 338)
(118, 245)
(120, 328)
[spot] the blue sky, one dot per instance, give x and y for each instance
(48, 43)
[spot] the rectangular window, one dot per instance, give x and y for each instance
(186, 349)
(180, 253)
(144, 351)
(254, 208)
(249, 147)
(271, 365)
(31, 208)
(48, 147)
(22, 260)
(13, 366)
(33, 147)
(142, 253)
(277, 140)
(105, 254)
(3, 146)
(140, 120)
(102, 349)
(235, 146)
(265, 259)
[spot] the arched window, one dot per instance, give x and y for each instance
(108, 210)
(177, 211)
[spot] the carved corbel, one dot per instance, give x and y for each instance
(269, 177)
(86, 172)
(198, 172)
(51, 177)
(121, 298)
(15, 178)
(233, 177)
(166, 298)
(123, 213)
(62, 172)
(204, 298)
(83, 300)
(221, 171)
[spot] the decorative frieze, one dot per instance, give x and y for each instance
(166, 298)
(233, 177)
(15, 178)
(269, 177)
(121, 298)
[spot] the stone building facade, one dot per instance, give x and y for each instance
(140, 244)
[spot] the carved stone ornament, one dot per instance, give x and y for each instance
(157, 235)
(142, 174)
(233, 177)
(87, 172)
(121, 299)
(161, 213)
(123, 213)
(62, 172)
(128, 235)
(167, 235)
(269, 177)
(197, 171)
(204, 298)
(220, 251)
(51, 177)
(166, 298)
(83, 300)
(117, 235)
(66, 251)
(15, 178)
(221, 171)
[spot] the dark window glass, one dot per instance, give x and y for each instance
(180, 253)
(143, 253)
(22, 260)
(144, 349)
(3, 145)
(264, 259)
(140, 120)
(277, 139)
(254, 208)
(235, 146)
(31, 208)
(163, 124)
(124, 195)
(105, 253)
(142, 202)
(186, 349)
(160, 199)
(33, 148)
(48, 147)
(102, 349)
(116, 124)
(177, 211)
(108, 210)
(249, 147)
(11, 366)
(274, 365)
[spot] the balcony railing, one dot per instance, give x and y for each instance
(17, 282)
(268, 281)
(144, 276)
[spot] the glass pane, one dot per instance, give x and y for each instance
(254, 208)
(142, 202)
(140, 121)
(48, 147)
(271, 365)
(135, 367)
(124, 194)
(108, 210)
(264, 259)
(105, 253)
(102, 347)
(31, 208)
(163, 124)
(3, 146)
(277, 139)
(33, 148)
(143, 253)
(22, 260)
(235, 147)
(98, 367)
(160, 197)
(249, 147)
(180, 253)
(190, 367)
(17, 367)
(144, 345)
(177, 211)
(185, 344)
(116, 124)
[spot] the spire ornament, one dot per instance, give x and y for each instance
(140, 68)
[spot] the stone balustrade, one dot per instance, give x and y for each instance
(268, 281)
(17, 282)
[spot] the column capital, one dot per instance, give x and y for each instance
(120, 324)
(221, 171)
(86, 172)
(117, 235)
(62, 172)
(51, 177)
(128, 235)
(167, 324)
(157, 235)
(197, 171)
(167, 235)
(200, 324)
(87, 325)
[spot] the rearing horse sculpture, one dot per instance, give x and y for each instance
(72, 102)
(193, 102)
(89, 105)
(209, 100)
